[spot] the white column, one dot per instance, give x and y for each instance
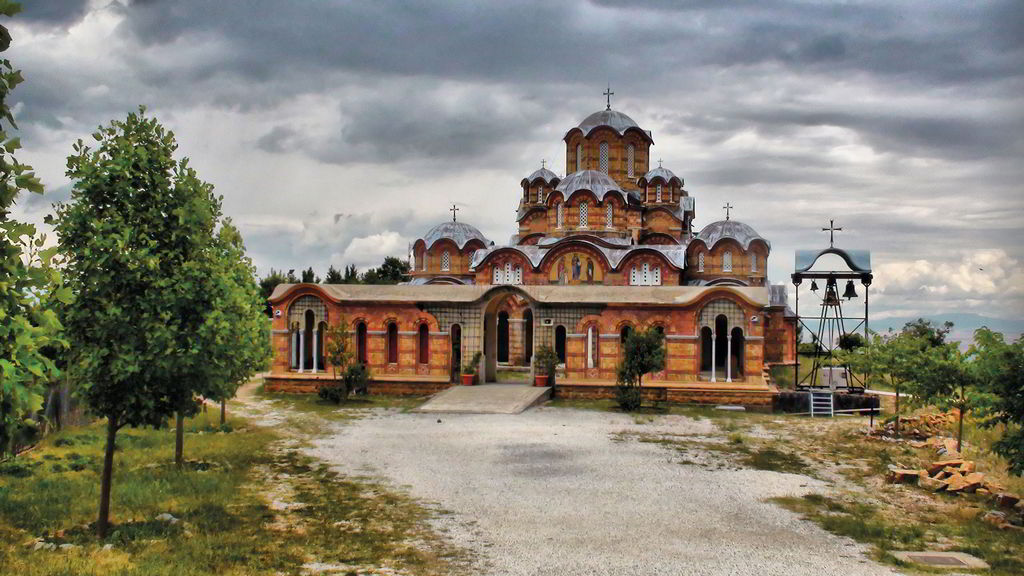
(315, 349)
(714, 356)
(295, 349)
(302, 350)
(728, 358)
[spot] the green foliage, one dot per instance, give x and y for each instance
(355, 378)
(851, 341)
(353, 375)
(931, 334)
(310, 277)
(547, 361)
(392, 271)
(894, 359)
(808, 348)
(644, 353)
(30, 285)
(1000, 368)
(473, 364)
(333, 276)
(351, 275)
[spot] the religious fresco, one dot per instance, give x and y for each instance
(575, 268)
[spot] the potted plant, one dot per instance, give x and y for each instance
(469, 370)
(546, 361)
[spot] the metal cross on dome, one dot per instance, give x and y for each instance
(727, 208)
(831, 232)
(453, 210)
(659, 162)
(543, 163)
(608, 94)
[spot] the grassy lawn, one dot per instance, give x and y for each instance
(247, 504)
(354, 407)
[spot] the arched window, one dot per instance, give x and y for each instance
(559, 215)
(361, 342)
(604, 157)
(727, 262)
(424, 344)
(424, 261)
(646, 276)
(579, 157)
(508, 273)
(560, 343)
(540, 194)
(518, 270)
(498, 276)
(623, 336)
(593, 344)
(700, 262)
(584, 214)
(446, 261)
(630, 159)
(656, 276)
(657, 193)
(753, 263)
(608, 214)
(634, 279)
(392, 343)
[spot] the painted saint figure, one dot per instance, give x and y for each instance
(575, 267)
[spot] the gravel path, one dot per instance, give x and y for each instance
(555, 491)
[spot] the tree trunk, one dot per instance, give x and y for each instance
(223, 412)
(897, 412)
(179, 438)
(103, 522)
(960, 432)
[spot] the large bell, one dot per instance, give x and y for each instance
(831, 294)
(851, 291)
(814, 286)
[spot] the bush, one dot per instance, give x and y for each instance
(629, 398)
(16, 468)
(354, 379)
(546, 361)
(474, 362)
(808, 348)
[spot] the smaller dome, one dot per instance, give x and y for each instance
(611, 118)
(544, 174)
(597, 182)
(664, 173)
(458, 232)
(738, 231)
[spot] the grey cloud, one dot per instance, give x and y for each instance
(53, 12)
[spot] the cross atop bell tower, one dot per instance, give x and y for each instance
(831, 233)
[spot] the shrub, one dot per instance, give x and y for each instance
(473, 364)
(546, 361)
(354, 379)
(629, 398)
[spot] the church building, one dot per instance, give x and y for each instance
(607, 249)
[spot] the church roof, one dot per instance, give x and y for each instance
(544, 294)
(674, 253)
(664, 173)
(541, 174)
(458, 232)
(613, 119)
(597, 182)
(738, 231)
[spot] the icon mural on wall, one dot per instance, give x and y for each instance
(561, 271)
(590, 270)
(575, 267)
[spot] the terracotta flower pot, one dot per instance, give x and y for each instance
(540, 380)
(468, 379)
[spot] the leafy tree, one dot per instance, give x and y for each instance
(348, 375)
(333, 276)
(850, 341)
(351, 275)
(948, 379)
(392, 271)
(893, 359)
(310, 277)
(130, 234)
(1001, 368)
(927, 332)
(30, 286)
(645, 353)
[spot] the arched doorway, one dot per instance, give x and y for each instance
(623, 336)
(705, 349)
(424, 344)
(392, 343)
(361, 343)
(737, 353)
(528, 337)
(560, 343)
(503, 337)
(721, 343)
(308, 345)
(321, 346)
(455, 335)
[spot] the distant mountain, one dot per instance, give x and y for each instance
(964, 324)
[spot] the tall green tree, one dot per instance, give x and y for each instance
(949, 379)
(30, 286)
(333, 276)
(351, 275)
(1001, 368)
(130, 234)
(392, 271)
(925, 330)
(310, 277)
(893, 359)
(644, 353)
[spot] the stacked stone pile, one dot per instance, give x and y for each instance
(920, 427)
(952, 473)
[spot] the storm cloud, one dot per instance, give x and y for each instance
(338, 132)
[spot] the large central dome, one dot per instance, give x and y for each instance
(612, 118)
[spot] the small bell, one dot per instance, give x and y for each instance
(851, 291)
(814, 286)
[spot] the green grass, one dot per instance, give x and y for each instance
(351, 408)
(222, 499)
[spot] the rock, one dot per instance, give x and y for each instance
(982, 492)
(950, 445)
(933, 484)
(956, 483)
(1005, 500)
(165, 517)
(902, 476)
(945, 463)
(108, 546)
(68, 546)
(39, 545)
(994, 518)
(917, 444)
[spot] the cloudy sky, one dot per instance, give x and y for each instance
(338, 132)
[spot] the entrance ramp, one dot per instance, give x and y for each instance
(486, 399)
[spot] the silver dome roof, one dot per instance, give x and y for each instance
(738, 231)
(597, 182)
(544, 174)
(613, 119)
(663, 173)
(458, 232)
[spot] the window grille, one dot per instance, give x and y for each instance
(632, 276)
(519, 275)
(700, 262)
(579, 157)
(583, 214)
(657, 196)
(727, 262)
(497, 275)
(630, 159)
(656, 276)
(753, 262)
(446, 261)
(508, 273)
(608, 214)
(604, 157)
(646, 280)
(559, 215)
(540, 194)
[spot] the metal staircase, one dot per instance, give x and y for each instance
(822, 404)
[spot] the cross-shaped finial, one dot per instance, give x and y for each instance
(453, 210)
(543, 163)
(831, 232)
(608, 94)
(659, 162)
(727, 208)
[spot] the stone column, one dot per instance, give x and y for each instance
(302, 350)
(315, 349)
(728, 358)
(295, 350)
(714, 356)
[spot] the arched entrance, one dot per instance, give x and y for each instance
(496, 333)
(361, 342)
(455, 334)
(560, 343)
(721, 343)
(737, 353)
(528, 336)
(705, 349)
(308, 345)
(503, 337)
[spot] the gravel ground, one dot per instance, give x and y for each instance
(554, 491)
